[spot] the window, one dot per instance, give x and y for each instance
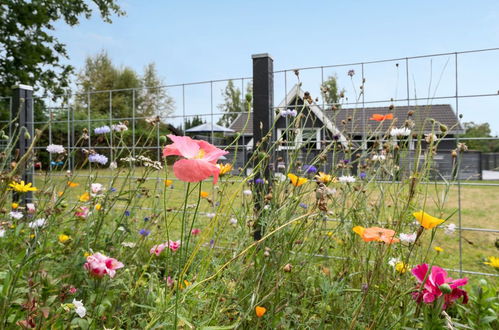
(309, 138)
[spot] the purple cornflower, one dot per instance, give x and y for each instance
(96, 158)
(336, 137)
(212, 243)
(259, 181)
(362, 175)
(310, 169)
(346, 161)
(351, 73)
(303, 205)
(113, 189)
(144, 232)
(102, 130)
(127, 213)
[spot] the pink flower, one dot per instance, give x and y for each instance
(157, 249)
(195, 231)
(82, 212)
(99, 265)
(200, 158)
(31, 207)
(174, 245)
(435, 282)
(170, 282)
(72, 289)
(96, 188)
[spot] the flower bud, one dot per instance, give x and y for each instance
(287, 268)
(445, 288)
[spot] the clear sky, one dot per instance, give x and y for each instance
(207, 40)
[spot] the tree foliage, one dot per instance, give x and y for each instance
(329, 90)
(29, 52)
(476, 130)
(106, 88)
(233, 103)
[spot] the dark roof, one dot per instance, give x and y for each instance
(442, 113)
(242, 125)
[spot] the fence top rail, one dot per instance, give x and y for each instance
(390, 59)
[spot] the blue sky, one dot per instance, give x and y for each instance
(207, 40)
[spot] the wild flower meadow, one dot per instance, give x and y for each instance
(188, 242)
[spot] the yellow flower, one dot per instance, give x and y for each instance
(296, 180)
(325, 178)
(224, 168)
(12, 226)
(330, 233)
(32, 236)
(203, 194)
(64, 238)
(359, 230)
(438, 249)
(86, 254)
(426, 220)
(493, 262)
(72, 184)
(260, 311)
(168, 183)
(14, 205)
(98, 206)
(85, 197)
(22, 187)
(60, 193)
(401, 267)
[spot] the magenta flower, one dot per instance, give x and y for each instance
(200, 158)
(437, 284)
(174, 245)
(195, 231)
(99, 265)
(157, 249)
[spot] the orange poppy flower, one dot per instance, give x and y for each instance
(378, 117)
(168, 183)
(72, 184)
(376, 234)
(260, 311)
(204, 194)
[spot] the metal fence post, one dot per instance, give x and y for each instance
(22, 109)
(263, 103)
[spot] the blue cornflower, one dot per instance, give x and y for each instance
(113, 189)
(259, 181)
(144, 232)
(127, 213)
(362, 175)
(310, 169)
(146, 219)
(303, 205)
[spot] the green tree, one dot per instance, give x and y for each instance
(29, 51)
(475, 130)
(233, 104)
(329, 91)
(154, 99)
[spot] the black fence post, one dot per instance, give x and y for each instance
(263, 116)
(22, 109)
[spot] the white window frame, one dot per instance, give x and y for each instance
(298, 138)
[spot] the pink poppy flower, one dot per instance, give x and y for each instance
(99, 265)
(200, 158)
(432, 286)
(82, 212)
(174, 245)
(195, 231)
(157, 249)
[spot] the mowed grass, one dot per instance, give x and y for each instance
(479, 206)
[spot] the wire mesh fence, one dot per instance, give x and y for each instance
(342, 101)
